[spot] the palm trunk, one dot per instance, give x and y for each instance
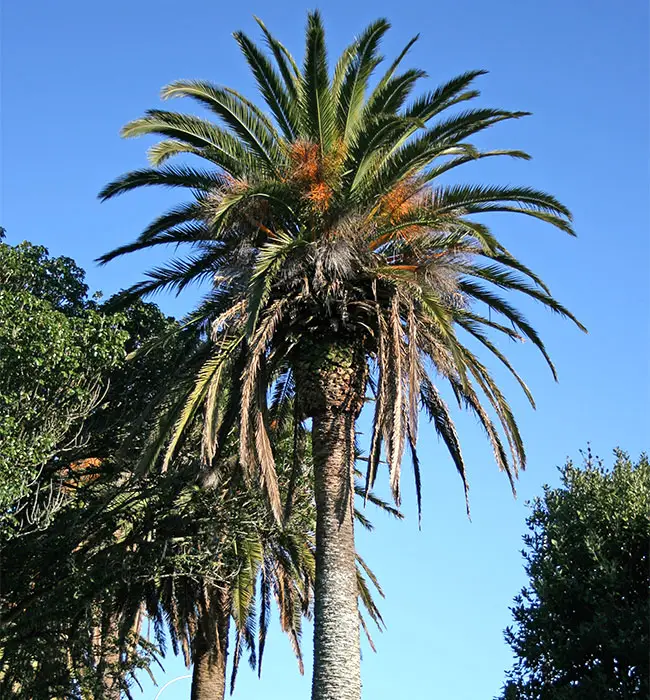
(337, 672)
(208, 675)
(330, 380)
(211, 650)
(109, 662)
(112, 689)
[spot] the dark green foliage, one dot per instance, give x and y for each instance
(64, 584)
(56, 349)
(581, 625)
(153, 349)
(58, 281)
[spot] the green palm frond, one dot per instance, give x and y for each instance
(255, 132)
(177, 176)
(439, 414)
(443, 139)
(473, 197)
(500, 305)
(183, 127)
(177, 275)
(505, 279)
(382, 98)
(476, 331)
(285, 62)
(504, 258)
(389, 97)
(270, 86)
(265, 612)
(180, 214)
(500, 406)
(364, 59)
(317, 106)
(466, 396)
(190, 233)
(366, 599)
(209, 377)
(439, 170)
(447, 95)
(250, 555)
(162, 151)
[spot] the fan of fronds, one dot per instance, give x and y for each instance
(323, 219)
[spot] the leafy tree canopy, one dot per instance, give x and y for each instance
(581, 624)
(55, 347)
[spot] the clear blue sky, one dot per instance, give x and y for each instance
(73, 72)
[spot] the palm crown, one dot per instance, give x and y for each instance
(325, 221)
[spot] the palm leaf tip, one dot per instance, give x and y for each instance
(107, 257)
(136, 127)
(316, 96)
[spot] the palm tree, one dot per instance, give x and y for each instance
(262, 561)
(229, 523)
(339, 260)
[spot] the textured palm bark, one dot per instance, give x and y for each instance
(337, 663)
(208, 676)
(109, 664)
(111, 683)
(330, 379)
(211, 651)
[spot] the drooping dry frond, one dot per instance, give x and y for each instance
(397, 431)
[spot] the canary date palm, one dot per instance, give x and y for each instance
(339, 260)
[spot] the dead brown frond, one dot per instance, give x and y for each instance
(414, 371)
(396, 433)
(258, 451)
(288, 601)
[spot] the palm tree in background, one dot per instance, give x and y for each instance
(339, 263)
(211, 559)
(228, 525)
(258, 562)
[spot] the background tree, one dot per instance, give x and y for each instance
(581, 624)
(56, 350)
(339, 260)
